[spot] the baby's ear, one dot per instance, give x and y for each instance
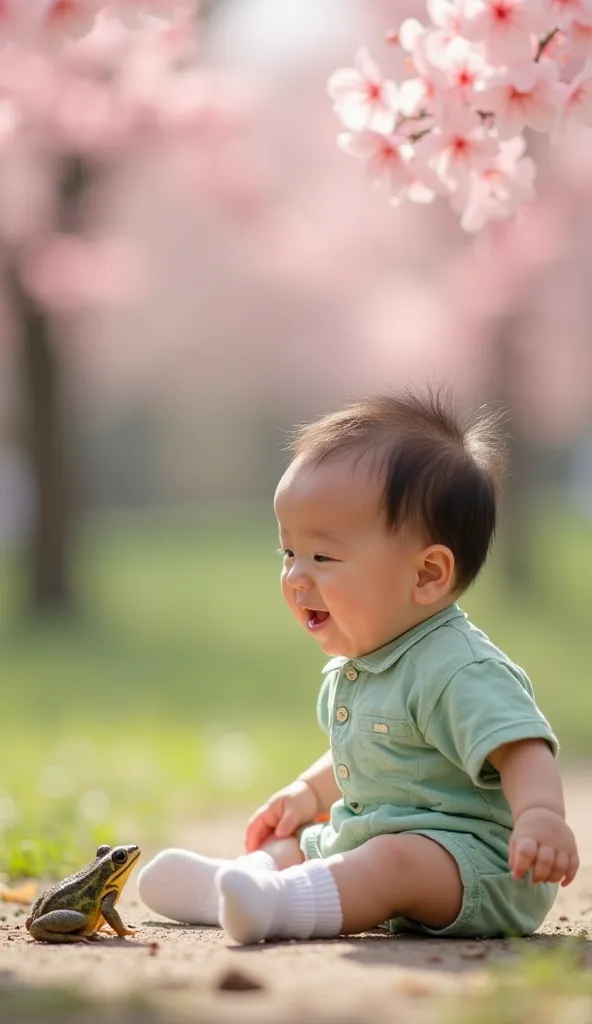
(435, 574)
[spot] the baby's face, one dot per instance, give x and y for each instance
(347, 579)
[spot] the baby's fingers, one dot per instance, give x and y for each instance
(522, 856)
(287, 824)
(543, 865)
(259, 828)
(574, 863)
(560, 867)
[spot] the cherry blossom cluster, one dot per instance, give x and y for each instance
(47, 21)
(471, 81)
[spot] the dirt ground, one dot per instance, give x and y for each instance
(169, 973)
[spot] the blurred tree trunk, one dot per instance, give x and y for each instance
(49, 576)
(50, 587)
(518, 484)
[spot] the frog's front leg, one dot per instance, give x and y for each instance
(59, 926)
(112, 917)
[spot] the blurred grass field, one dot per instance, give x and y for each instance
(183, 689)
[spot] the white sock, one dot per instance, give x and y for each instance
(180, 884)
(299, 903)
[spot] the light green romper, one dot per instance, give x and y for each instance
(411, 726)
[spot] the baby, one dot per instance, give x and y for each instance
(446, 806)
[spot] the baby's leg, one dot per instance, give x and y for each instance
(397, 876)
(389, 876)
(180, 884)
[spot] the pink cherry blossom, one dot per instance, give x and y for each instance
(134, 12)
(562, 13)
(579, 39)
(49, 21)
(505, 27)
(457, 146)
(447, 15)
(499, 190)
(387, 158)
(524, 94)
(363, 98)
(63, 18)
(577, 100)
(459, 67)
(19, 19)
(485, 71)
(416, 94)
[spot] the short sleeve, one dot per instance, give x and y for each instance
(323, 700)
(484, 705)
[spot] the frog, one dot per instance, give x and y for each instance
(77, 908)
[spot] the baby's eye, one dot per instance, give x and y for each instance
(285, 553)
(323, 558)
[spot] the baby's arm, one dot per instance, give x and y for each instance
(321, 779)
(541, 840)
(312, 793)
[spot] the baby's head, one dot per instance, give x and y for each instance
(386, 514)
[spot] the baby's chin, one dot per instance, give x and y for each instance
(334, 649)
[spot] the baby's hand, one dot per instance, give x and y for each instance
(543, 842)
(295, 805)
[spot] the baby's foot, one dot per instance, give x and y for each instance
(180, 884)
(301, 902)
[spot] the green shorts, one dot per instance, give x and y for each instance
(494, 904)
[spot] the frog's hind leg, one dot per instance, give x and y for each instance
(59, 926)
(58, 937)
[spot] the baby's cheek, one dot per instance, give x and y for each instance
(287, 592)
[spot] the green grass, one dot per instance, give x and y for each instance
(183, 688)
(535, 987)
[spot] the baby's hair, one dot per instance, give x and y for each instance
(441, 472)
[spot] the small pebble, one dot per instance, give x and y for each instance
(475, 953)
(435, 959)
(563, 917)
(154, 947)
(238, 981)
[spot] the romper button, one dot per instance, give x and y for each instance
(356, 807)
(351, 673)
(343, 771)
(342, 714)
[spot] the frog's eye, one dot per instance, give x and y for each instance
(119, 856)
(102, 850)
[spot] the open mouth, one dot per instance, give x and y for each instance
(316, 618)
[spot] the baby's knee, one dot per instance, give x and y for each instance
(285, 852)
(391, 853)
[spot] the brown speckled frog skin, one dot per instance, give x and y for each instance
(76, 908)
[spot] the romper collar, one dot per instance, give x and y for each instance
(386, 656)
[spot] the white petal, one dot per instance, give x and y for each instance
(354, 113)
(409, 33)
(366, 65)
(343, 82)
(361, 144)
(419, 193)
(412, 96)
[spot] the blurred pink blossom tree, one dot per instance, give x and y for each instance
(80, 89)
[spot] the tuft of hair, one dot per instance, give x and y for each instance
(442, 472)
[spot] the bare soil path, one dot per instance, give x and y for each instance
(170, 973)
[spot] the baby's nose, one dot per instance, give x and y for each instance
(298, 579)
